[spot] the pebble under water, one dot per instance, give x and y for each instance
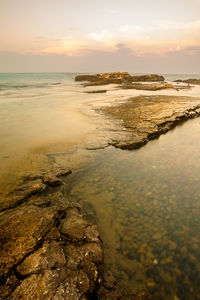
(147, 206)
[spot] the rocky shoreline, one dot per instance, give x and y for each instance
(147, 117)
(48, 250)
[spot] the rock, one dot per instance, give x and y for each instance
(21, 231)
(146, 78)
(157, 236)
(21, 193)
(171, 245)
(117, 78)
(96, 92)
(147, 87)
(48, 250)
(155, 261)
(189, 81)
(151, 86)
(147, 117)
(103, 76)
(142, 295)
(85, 77)
(52, 284)
(104, 82)
(54, 258)
(77, 229)
(52, 180)
(33, 184)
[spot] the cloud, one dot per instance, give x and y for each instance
(124, 28)
(122, 58)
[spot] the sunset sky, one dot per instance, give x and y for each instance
(107, 35)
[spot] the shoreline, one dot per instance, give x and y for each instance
(47, 247)
(147, 117)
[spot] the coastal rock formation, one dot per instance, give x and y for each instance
(190, 81)
(147, 78)
(32, 184)
(104, 82)
(152, 86)
(102, 76)
(48, 250)
(116, 78)
(147, 117)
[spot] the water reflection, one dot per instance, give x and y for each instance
(147, 206)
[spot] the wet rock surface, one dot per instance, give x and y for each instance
(47, 249)
(147, 117)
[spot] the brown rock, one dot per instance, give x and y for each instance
(147, 117)
(190, 81)
(21, 230)
(21, 193)
(147, 78)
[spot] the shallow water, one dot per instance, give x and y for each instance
(146, 202)
(147, 205)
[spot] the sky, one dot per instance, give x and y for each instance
(108, 35)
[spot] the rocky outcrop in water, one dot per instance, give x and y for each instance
(147, 117)
(116, 78)
(153, 86)
(48, 250)
(189, 81)
(147, 78)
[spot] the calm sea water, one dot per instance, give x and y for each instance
(146, 202)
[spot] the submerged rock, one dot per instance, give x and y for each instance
(48, 250)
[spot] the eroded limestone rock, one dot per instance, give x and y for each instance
(147, 117)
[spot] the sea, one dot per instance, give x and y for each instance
(146, 202)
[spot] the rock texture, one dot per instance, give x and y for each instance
(47, 249)
(147, 78)
(190, 81)
(147, 117)
(116, 78)
(152, 86)
(102, 76)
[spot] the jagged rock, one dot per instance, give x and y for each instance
(48, 250)
(77, 229)
(21, 193)
(21, 231)
(147, 117)
(49, 256)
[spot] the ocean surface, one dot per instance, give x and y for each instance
(146, 202)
